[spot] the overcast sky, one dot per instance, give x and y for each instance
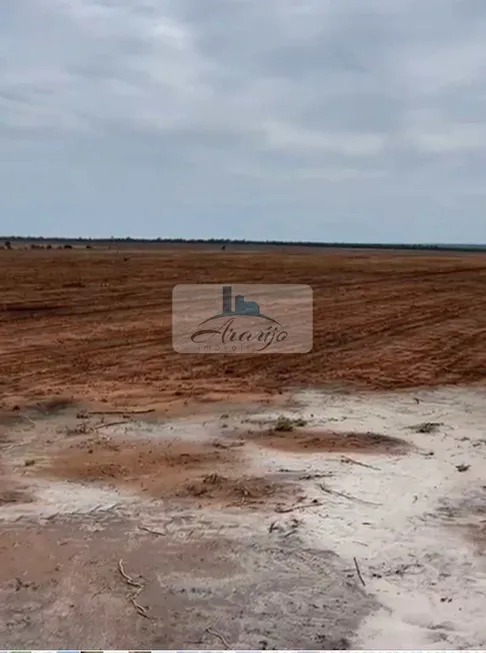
(327, 120)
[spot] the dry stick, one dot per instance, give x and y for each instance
(347, 496)
(139, 608)
(291, 531)
(149, 530)
(129, 580)
(359, 572)
(28, 419)
(310, 476)
(297, 507)
(102, 426)
(121, 412)
(345, 459)
(219, 636)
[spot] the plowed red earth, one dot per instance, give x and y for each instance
(96, 324)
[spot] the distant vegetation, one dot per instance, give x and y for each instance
(11, 241)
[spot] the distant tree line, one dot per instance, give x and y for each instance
(225, 242)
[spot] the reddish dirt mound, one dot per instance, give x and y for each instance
(240, 490)
(132, 461)
(298, 441)
(177, 469)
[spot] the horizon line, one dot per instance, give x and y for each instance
(243, 241)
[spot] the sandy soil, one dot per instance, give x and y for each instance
(224, 537)
(96, 325)
(330, 500)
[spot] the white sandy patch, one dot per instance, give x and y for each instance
(189, 428)
(405, 518)
(418, 564)
(52, 498)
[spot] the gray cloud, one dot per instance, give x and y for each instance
(311, 119)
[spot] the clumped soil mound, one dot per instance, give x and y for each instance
(132, 462)
(173, 469)
(301, 440)
(245, 490)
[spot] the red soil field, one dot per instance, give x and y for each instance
(95, 325)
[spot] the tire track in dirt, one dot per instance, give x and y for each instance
(383, 320)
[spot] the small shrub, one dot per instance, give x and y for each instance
(284, 424)
(79, 429)
(300, 422)
(427, 427)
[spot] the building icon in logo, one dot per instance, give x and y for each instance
(241, 308)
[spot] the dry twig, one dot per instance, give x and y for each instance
(346, 496)
(103, 425)
(122, 412)
(359, 572)
(141, 610)
(298, 507)
(128, 578)
(28, 419)
(346, 459)
(219, 636)
(149, 530)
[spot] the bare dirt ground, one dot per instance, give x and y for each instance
(329, 500)
(97, 325)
